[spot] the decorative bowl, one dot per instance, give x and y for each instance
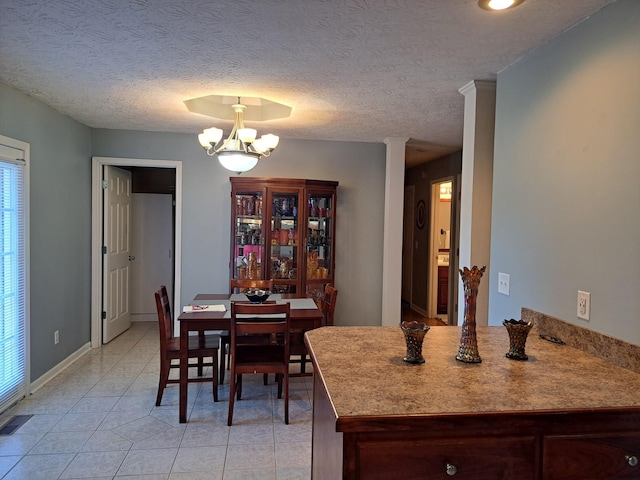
(257, 296)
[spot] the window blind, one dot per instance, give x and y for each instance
(13, 361)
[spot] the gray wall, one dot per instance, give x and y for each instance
(60, 219)
(359, 167)
(566, 201)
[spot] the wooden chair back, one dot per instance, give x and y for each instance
(259, 321)
(242, 285)
(249, 320)
(329, 303)
(316, 291)
(165, 322)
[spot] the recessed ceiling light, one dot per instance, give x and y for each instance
(498, 4)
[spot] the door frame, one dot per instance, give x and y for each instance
(432, 266)
(408, 240)
(97, 164)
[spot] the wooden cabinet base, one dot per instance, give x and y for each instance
(366, 429)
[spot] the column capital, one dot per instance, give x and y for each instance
(390, 140)
(475, 85)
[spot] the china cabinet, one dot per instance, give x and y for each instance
(283, 229)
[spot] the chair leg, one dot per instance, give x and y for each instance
(200, 366)
(162, 381)
(214, 369)
(265, 378)
(303, 363)
(222, 365)
(279, 379)
(286, 399)
(232, 393)
(239, 388)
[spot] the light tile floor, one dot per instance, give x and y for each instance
(98, 420)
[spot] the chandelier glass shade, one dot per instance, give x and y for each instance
(498, 4)
(240, 151)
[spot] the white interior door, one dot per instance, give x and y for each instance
(116, 304)
(152, 247)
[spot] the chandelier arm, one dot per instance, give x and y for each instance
(239, 123)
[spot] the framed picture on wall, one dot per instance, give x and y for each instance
(421, 214)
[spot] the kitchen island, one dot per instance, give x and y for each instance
(563, 414)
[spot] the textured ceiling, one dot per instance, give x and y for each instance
(354, 70)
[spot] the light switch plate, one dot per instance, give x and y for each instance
(503, 283)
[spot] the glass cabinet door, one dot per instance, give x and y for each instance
(320, 232)
(284, 241)
(248, 233)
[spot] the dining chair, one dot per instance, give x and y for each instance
(328, 304)
(200, 347)
(326, 301)
(238, 286)
(270, 320)
(316, 291)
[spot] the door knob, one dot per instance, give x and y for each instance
(132, 258)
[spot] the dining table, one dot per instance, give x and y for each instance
(212, 311)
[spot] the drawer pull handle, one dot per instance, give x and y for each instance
(632, 460)
(451, 469)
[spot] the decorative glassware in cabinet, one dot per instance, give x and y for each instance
(319, 247)
(248, 250)
(284, 241)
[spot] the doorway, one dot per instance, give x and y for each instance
(440, 247)
(98, 164)
(151, 248)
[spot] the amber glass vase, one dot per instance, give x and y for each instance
(414, 333)
(518, 331)
(468, 349)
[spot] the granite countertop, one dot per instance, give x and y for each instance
(364, 374)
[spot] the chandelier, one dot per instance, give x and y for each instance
(240, 151)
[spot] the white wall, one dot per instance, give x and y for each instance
(566, 196)
(359, 167)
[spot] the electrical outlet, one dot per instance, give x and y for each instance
(584, 305)
(56, 337)
(503, 283)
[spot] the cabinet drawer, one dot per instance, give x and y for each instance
(595, 457)
(467, 458)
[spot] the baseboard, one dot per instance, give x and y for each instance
(59, 368)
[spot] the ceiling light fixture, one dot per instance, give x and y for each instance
(240, 151)
(498, 4)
